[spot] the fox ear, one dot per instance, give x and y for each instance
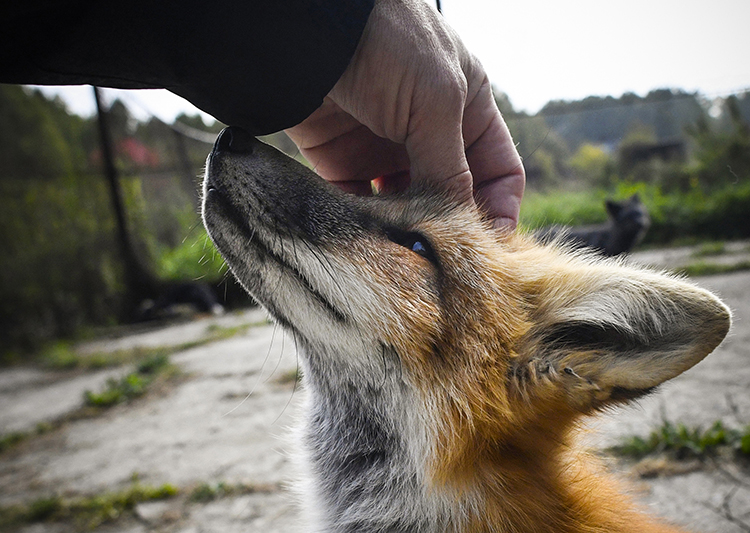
(612, 333)
(613, 208)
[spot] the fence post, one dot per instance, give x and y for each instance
(138, 281)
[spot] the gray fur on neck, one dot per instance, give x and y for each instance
(363, 471)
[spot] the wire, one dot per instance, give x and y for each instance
(617, 103)
(190, 132)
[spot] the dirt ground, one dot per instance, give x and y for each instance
(226, 421)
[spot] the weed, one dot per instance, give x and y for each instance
(683, 442)
(217, 332)
(12, 439)
(710, 248)
(154, 364)
(15, 438)
(44, 509)
(89, 512)
(291, 376)
(206, 492)
(702, 268)
(86, 512)
(133, 385)
(93, 511)
(62, 355)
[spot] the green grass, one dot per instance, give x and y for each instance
(13, 439)
(721, 214)
(134, 384)
(291, 376)
(195, 258)
(86, 512)
(206, 492)
(703, 268)
(62, 355)
(708, 249)
(683, 442)
(562, 207)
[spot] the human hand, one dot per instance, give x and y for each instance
(415, 104)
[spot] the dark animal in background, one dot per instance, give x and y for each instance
(628, 224)
(198, 297)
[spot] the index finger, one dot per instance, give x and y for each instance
(499, 176)
(435, 142)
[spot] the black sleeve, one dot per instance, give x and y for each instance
(261, 64)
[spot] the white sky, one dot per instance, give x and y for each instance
(536, 50)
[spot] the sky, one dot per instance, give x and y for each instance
(536, 51)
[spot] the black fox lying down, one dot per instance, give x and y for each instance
(446, 365)
(628, 224)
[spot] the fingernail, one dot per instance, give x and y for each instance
(504, 223)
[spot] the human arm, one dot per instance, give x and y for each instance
(261, 64)
(412, 101)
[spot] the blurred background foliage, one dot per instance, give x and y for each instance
(61, 273)
(686, 156)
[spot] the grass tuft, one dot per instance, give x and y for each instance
(133, 385)
(87, 512)
(63, 356)
(702, 268)
(708, 249)
(683, 442)
(12, 439)
(206, 492)
(291, 376)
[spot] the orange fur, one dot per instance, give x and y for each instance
(511, 452)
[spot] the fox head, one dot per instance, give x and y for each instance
(629, 219)
(497, 341)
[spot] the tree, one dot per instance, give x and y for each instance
(722, 157)
(592, 165)
(607, 120)
(543, 151)
(34, 145)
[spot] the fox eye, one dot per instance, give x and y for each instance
(418, 247)
(414, 241)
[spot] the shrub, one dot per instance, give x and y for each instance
(721, 215)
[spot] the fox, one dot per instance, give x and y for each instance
(627, 226)
(447, 365)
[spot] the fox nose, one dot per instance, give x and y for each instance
(235, 140)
